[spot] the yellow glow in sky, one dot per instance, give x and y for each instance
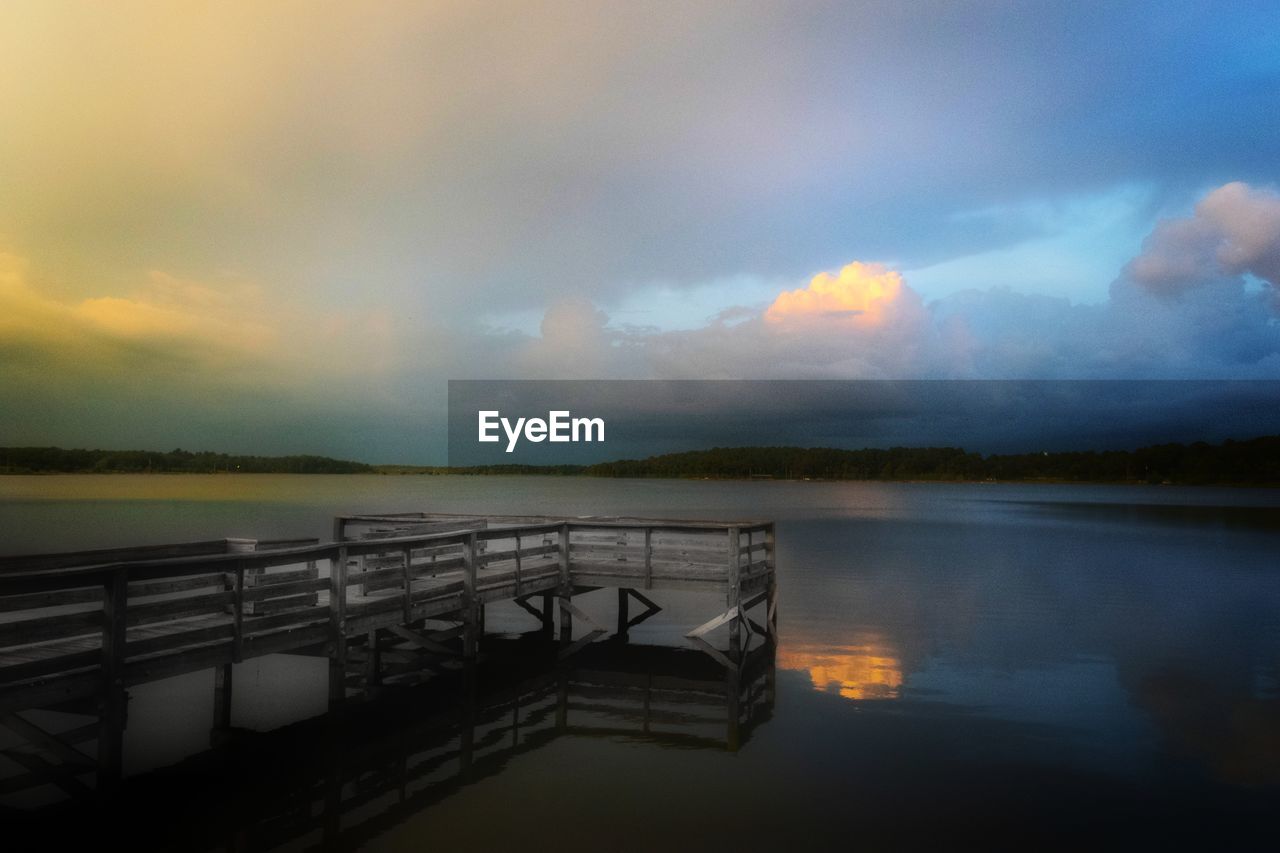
(860, 292)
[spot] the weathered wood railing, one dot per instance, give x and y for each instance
(73, 631)
(218, 607)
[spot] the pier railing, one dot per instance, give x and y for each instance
(136, 620)
(77, 630)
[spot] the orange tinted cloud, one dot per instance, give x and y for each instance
(862, 293)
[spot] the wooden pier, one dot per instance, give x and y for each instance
(391, 598)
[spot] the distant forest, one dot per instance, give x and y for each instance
(37, 460)
(1252, 462)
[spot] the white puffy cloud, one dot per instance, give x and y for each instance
(1234, 230)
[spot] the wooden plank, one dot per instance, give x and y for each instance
(51, 773)
(266, 580)
(142, 589)
(581, 614)
(422, 641)
(178, 608)
(43, 562)
(28, 730)
(39, 629)
(715, 653)
(61, 598)
(266, 593)
(581, 643)
(712, 624)
(177, 639)
(11, 673)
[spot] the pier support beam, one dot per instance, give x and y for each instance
(472, 614)
(338, 627)
(734, 594)
(115, 599)
(372, 666)
(566, 588)
(222, 692)
(733, 710)
(623, 622)
(548, 614)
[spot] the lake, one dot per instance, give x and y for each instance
(1014, 665)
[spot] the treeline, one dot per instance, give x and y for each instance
(1252, 462)
(495, 470)
(39, 460)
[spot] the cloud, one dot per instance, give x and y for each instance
(444, 155)
(1235, 230)
(1181, 309)
(167, 327)
(863, 294)
(369, 383)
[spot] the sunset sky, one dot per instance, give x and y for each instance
(283, 227)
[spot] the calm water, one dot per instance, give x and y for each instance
(1013, 665)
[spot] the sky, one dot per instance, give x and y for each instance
(284, 227)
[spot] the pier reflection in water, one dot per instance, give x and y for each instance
(345, 777)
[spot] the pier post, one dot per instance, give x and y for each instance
(470, 607)
(222, 687)
(338, 626)
(467, 719)
(562, 698)
(372, 666)
(566, 587)
(733, 709)
(548, 614)
(734, 596)
(771, 612)
(624, 621)
(111, 720)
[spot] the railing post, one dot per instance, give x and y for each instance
(648, 558)
(771, 614)
(518, 567)
(407, 580)
(566, 586)
(115, 600)
(237, 648)
(470, 607)
(338, 626)
(734, 596)
(223, 686)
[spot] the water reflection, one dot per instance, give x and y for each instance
(868, 668)
(343, 779)
(1234, 735)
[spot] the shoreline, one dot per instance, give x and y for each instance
(1046, 481)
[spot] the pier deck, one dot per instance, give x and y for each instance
(398, 594)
